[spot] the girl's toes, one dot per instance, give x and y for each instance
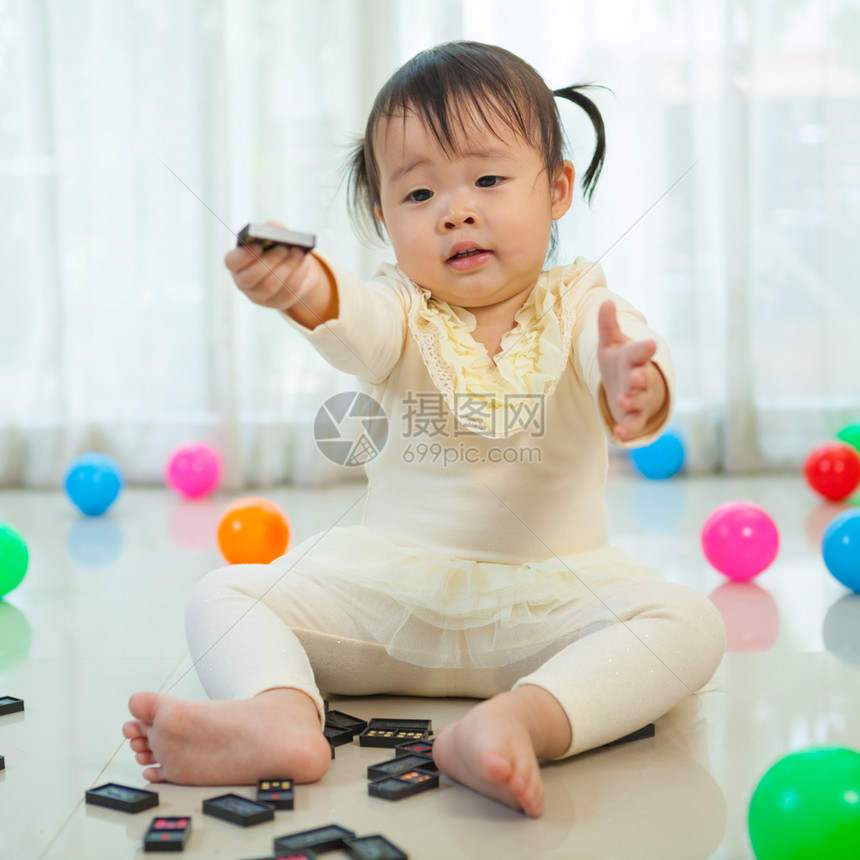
(535, 810)
(143, 706)
(534, 801)
(516, 784)
(139, 744)
(495, 768)
(154, 774)
(133, 729)
(531, 802)
(145, 757)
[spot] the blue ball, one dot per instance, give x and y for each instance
(93, 482)
(841, 549)
(661, 459)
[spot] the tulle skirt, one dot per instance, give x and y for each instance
(430, 609)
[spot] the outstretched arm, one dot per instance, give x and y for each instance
(634, 387)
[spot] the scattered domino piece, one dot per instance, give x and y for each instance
(405, 785)
(645, 732)
(2, 763)
(417, 747)
(121, 797)
(269, 236)
(320, 839)
(238, 810)
(340, 720)
(10, 705)
(373, 848)
(338, 737)
(167, 834)
(400, 765)
(277, 792)
(391, 732)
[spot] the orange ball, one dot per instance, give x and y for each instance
(253, 531)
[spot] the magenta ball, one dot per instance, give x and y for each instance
(193, 470)
(740, 540)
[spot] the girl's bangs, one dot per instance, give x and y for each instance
(450, 116)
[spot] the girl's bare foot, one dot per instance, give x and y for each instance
(276, 733)
(495, 748)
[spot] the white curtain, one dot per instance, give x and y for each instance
(137, 137)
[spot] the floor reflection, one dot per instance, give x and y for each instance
(750, 615)
(841, 629)
(15, 636)
(658, 506)
(94, 541)
(819, 518)
(192, 524)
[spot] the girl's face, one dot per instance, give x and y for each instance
(472, 227)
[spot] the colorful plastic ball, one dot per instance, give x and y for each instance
(662, 459)
(14, 558)
(850, 435)
(807, 807)
(840, 547)
(253, 531)
(833, 470)
(740, 540)
(93, 482)
(193, 470)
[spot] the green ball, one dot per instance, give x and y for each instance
(807, 807)
(850, 435)
(13, 558)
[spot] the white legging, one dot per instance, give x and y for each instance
(633, 652)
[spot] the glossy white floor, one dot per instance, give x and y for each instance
(100, 614)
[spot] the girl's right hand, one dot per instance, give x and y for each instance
(279, 278)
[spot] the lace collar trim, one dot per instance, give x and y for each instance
(502, 397)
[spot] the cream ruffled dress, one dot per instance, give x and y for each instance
(427, 607)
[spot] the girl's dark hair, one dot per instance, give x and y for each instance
(453, 84)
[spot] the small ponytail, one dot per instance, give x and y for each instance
(574, 94)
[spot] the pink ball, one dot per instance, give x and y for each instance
(740, 540)
(193, 470)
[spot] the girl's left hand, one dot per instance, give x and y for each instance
(634, 387)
